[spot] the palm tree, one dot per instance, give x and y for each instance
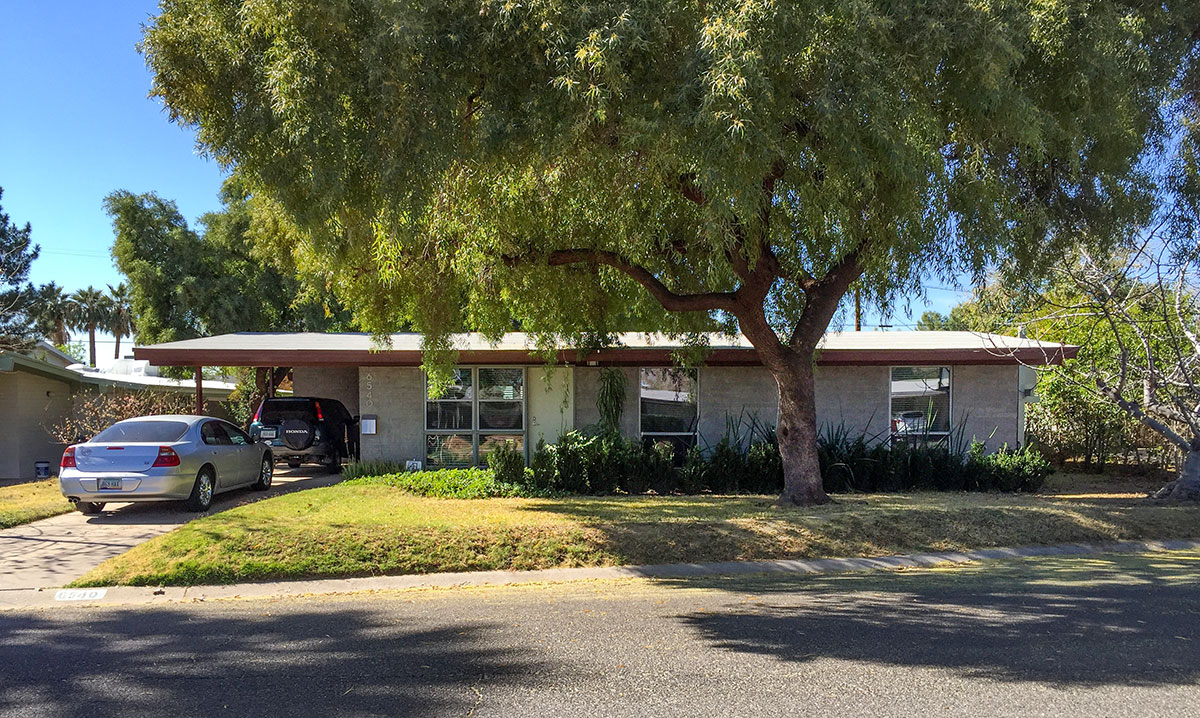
(90, 309)
(120, 319)
(54, 314)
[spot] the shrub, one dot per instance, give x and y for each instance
(94, 412)
(1008, 470)
(508, 464)
(472, 483)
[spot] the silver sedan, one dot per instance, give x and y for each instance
(163, 458)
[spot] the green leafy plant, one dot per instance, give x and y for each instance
(508, 464)
(471, 483)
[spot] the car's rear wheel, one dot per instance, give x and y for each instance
(202, 491)
(265, 474)
(89, 508)
(333, 462)
(293, 464)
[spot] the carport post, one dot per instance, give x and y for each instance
(199, 391)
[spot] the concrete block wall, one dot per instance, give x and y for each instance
(858, 396)
(396, 397)
(987, 399)
(736, 394)
(341, 383)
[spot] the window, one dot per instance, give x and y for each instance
(213, 434)
(149, 431)
(483, 408)
(668, 411)
(920, 403)
(236, 435)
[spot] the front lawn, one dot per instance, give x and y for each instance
(360, 530)
(29, 501)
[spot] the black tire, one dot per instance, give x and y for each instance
(89, 508)
(201, 499)
(265, 472)
(333, 462)
(292, 464)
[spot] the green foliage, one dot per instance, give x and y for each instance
(52, 315)
(1007, 470)
(508, 464)
(435, 155)
(75, 350)
(90, 309)
(360, 469)
(184, 284)
(17, 295)
(748, 461)
(1071, 421)
(449, 484)
(120, 315)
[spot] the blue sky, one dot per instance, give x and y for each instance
(78, 124)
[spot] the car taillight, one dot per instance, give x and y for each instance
(258, 414)
(68, 459)
(320, 417)
(166, 457)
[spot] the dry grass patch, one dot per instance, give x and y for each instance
(28, 501)
(373, 530)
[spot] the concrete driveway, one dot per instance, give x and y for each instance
(55, 551)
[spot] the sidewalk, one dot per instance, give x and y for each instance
(138, 595)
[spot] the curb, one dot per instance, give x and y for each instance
(139, 595)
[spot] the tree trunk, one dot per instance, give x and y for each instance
(1187, 486)
(92, 345)
(797, 435)
(117, 348)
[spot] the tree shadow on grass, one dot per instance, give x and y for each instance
(245, 659)
(1117, 620)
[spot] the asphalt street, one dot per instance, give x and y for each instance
(1082, 636)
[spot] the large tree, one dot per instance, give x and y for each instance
(120, 318)
(185, 284)
(90, 309)
(17, 252)
(52, 312)
(696, 162)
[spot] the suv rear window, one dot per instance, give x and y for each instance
(152, 431)
(275, 411)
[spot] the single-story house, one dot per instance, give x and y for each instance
(887, 385)
(38, 388)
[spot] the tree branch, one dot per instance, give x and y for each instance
(671, 301)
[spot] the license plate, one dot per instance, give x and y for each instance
(268, 433)
(110, 484)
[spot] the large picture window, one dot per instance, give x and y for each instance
(668, 410)
(483, 408)
(920, 403)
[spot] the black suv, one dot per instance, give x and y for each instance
(307, 429)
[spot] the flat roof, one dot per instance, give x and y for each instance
(294, 349)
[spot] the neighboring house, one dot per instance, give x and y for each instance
(37, 391)
(889, 385)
